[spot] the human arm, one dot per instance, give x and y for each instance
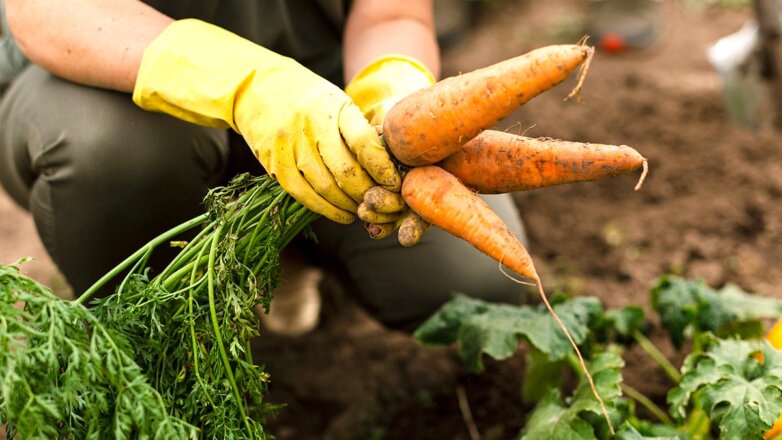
(380, 27)
(93, 42)
(304, 130)
(390, 51)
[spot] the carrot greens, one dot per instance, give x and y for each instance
(64, 374)
(168, 355)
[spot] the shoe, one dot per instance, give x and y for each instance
(295, 307)
(624, 25)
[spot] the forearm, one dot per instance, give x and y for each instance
(378, 27)
(93, 42)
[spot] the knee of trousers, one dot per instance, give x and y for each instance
(139, 149)
(404, 286)
(101, 176)
(154, 151)
(82, 136)
(439, 269)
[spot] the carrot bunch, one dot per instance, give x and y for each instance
(442, 133)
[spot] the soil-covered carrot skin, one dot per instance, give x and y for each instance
(440, 199)
(432, 123)
(496, 162)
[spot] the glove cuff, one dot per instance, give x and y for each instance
(194, 71)
(386, 80)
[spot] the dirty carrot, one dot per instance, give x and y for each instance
(432, 123)
(497, 162)
(440, 199)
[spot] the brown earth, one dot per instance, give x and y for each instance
(710, 208)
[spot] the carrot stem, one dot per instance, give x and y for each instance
(656, 354)
(140, 254)
(193, 339)
(646, 403)
(229, 373)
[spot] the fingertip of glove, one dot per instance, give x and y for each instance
(337, 215)
(378, 231)
(343, 219)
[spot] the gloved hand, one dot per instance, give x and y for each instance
(384, 82)
(375, 89)
(292, 119)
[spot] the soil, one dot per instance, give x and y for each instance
(710, 208)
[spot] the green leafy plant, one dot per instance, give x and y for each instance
(730, 384)
(168, 356)
(579, 416)
(164, 357)
(739, 390)
(496, 329)
(63, 374)
(691, 305)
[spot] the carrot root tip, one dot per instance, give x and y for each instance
(516, 280)
(583, 70)
(587, 374)
(643, 175)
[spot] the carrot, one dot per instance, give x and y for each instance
(440, 199)
(496, 162)
(432, 123)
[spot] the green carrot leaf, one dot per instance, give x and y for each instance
(496, 329)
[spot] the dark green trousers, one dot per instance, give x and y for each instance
(102, 177)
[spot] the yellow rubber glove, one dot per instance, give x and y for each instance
(307, 133)
(385, 81)
(375, 89)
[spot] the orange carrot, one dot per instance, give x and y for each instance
(432, 123)
(496, 162)
(440, 199)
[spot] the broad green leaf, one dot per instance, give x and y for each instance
(619, 325)
(736, 390)
(442, 327)
(541, 375)
(691, 304)
(495, 329)
(746, 306)
(627, 320)
(650, 432)
(579, 416)
(552, 419)
(681, 304)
